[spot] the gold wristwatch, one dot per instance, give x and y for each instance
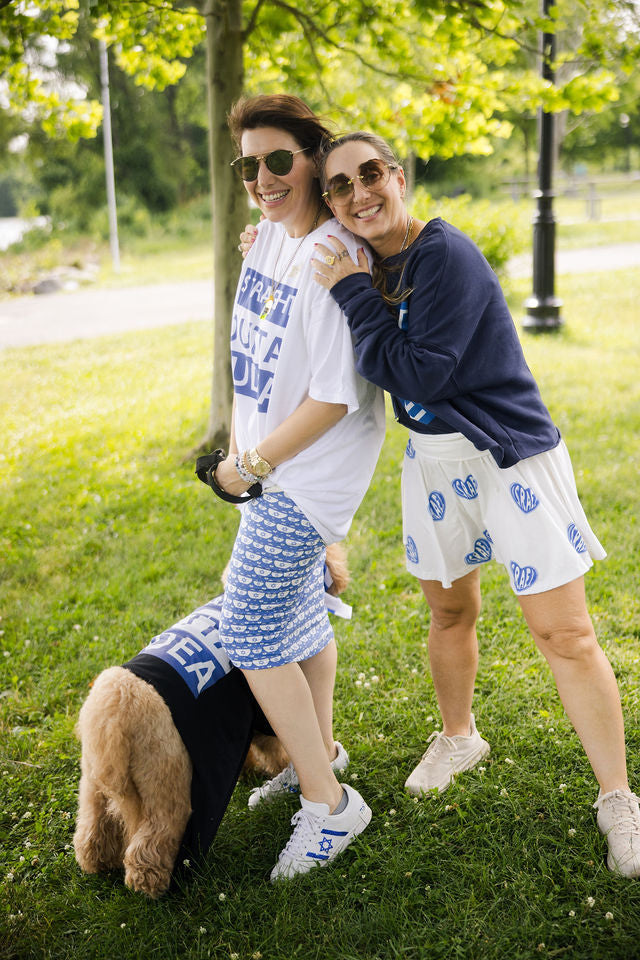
(257, 465)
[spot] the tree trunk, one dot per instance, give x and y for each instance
(225, 76)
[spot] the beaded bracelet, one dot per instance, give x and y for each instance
(245, 474)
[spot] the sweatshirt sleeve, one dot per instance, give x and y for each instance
(450, 289)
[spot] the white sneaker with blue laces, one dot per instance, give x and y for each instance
(287, 780)
(319, 836)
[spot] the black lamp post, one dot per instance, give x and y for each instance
(543, 307)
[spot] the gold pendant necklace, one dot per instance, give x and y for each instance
(269, 301)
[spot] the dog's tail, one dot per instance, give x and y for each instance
(338, 569)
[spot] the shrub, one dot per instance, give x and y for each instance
(501, 230)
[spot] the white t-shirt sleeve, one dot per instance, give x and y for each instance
(331, 356)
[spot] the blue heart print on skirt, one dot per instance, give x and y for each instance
(524, 497)
(575, 539)
(467, 489)
(410, 450)
(437, 505)
(523, 577)
(481, 552)
(412, 550)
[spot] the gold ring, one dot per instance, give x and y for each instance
(330, 260)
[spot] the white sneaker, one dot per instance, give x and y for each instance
(319, 836)
(287, 780)
(619, 820)
(446, 757)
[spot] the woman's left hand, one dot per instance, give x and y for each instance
(334, 264)
(227, 477)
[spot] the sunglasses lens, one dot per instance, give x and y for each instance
(373, 174)
(340, 191)
(247, 168)
(279, 162)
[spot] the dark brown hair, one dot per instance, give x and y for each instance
(380, 274)
(280, 110)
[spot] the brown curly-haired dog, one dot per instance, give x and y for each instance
(139, 786)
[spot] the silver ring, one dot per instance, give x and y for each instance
(341, 256)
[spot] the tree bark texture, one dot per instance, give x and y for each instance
(225, 75)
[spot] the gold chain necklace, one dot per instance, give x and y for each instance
(406, 236)
(269, 300)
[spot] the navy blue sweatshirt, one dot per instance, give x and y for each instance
(457, 353)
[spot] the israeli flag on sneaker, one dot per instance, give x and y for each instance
(415, 410)
(192, 648)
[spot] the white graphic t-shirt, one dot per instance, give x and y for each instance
(301, 348)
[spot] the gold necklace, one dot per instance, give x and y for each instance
(269, 300)
(408, 231)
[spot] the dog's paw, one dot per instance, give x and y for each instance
(152, 881)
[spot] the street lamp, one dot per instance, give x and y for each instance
(543, 307)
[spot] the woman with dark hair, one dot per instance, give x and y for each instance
(309, 429)
(485, 475)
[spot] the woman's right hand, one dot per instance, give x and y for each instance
(247, 239)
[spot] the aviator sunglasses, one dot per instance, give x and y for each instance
(278, 162)
(374, 174)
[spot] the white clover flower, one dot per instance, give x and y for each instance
(608, 915)
(27, 843)
(392, 812)
(415, 670)
(429, 719)
(571, 831)
(354, 776)
(366, 684)
(77, 626)
(234, 956)
(387, 823)
(375, 679)
(541, 947)
(202, 929)
(122, 926)
(381, 736)
(509, 760)
(482, 769)
(562, 787)
(405, 698)
(362, 676)
(409, 873)
(27, 815)
(358, 683)
(448, 808)
(222, 896)
(21, 860)
(504, 792)
(572, 913)
(590, 902)
(186, 863)
(10, 876)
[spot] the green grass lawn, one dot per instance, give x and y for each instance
(107, 538)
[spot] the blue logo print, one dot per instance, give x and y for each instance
(481, 552)
(437, 505)
(523, 577)
(575, 539)
(411, 450)
(488, 536)
(524, 497)
(412, 550)
(467, 489)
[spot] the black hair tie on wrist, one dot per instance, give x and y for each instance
(205, 469)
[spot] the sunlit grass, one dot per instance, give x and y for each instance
(107, 537)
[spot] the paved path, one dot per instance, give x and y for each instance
(57, 317)
(92, 312)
